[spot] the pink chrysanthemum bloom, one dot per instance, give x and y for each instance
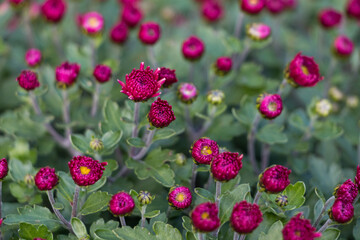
(91, 23)
(258, 31)
(353, 8)
(303, 71)
(4, 169)
(245, 217)
(102, 73)
(129, 2)
(275, 6)
(343, 46)
(142, 84)
(212, 10)
(357, 177)
(204, 150)
(299, 229)
(34, 10)
(274, 179)
(269, 105)
(205, 217)
(28, 80)
(179, 197)
(67, 73)
(342, 211)
(131, 15)
(169, 75)
(86, 171)
(252, 6)
(121, 204)
(33, 57)
(226, 166)
(149, 32)
(346, 191)
(187, 92)
(223, 66)
(161, 114)
(46, 179)
(119, 33)
(329, 18)
(53, 10)
(193, 48)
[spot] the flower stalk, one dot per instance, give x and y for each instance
(251, 143)
(322, 213)
(325, 226)
(96, 97)
(66, 223)
(143, 211)
(75, 201)
(122, 221)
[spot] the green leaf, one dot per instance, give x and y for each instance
(80, 143)
(272, 134)
(327, 130)
(274, 232)
(330, 234)
(66, 186)
(165, 231)
(356, 230)
(205, 194)
(33, 215)
(100, 224)
(164, 133)
(111, 139)
(29, 232)
(187, 225)
(228, 200)
(152, 214)
(298, 119)
(125, 233)
(96, 202)
(79, 228)
(190, 236)
(18, 170)
(295, 194)
(112, 115)
(97, 185)
(246, 114)
(136, 142)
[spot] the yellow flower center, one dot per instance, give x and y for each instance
(206, 150)
(253, 2)
(180, 197)
(298, 233)
(272, 106)
(205, 215)
(305, 70)
(84, 170)
(93, 22)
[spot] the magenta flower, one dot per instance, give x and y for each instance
(102, 73)
(193, 48)
(342, 211)
(92, 23)
(179, 197)
(129, 2)
(290, 4)
(119, 33)
(275, 6)
(346, 191)
(303, 71)
(353, 8)
(46, 179)
(33, 57)
(269, 105)
(86, 171)
(274, 179)
(357, 177)
(225, 166)
(149, 32)
(121, 204)
(131, 15)
(343, 46)
(212, 10)
(252, 6)
(67, 73)
(169, 75)
(187, 92)
(142, 84)
(204, 150)
(245, 217)
(205, 217)
(329, 17)
(17, 3)
(28, 80)
(223, 65)
(53, 10)
(4, 169)
(299, 229)
(258, 31)
(161, 114)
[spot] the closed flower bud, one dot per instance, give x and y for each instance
(226, 166)
(323, 107)
(4, 169)
(343, 47)
(187, 92)
(145, 198)
(342, 211)
(215, 97)
(193, 48)
(275, 6)
(92, 23)
(258, 31)
(67, 73)
(245, 217)
(102, 73)
(329, 18)
(274, 179)
(335, 94)
(252, 6)
(346, 191)
(352, 101)
(269, 105)
(96, 144)
(46, 179)
(33, 57)
(212, 10)
(131, 15)
(299, 228)
(28, 80)
(53, 10)
(169, 75)
(119, 33)
(204, 150)
(29, 179)
(161, 114)
(281, 200)
(180, 159)
(205, 217)
(149, 32)
(180, 197)
(86, 171)
(223, 66)
(121, 204)
(353, 8)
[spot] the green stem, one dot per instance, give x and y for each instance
(193, 178)
(122, 221)
(57, 212)
(325, 226)
(236, 236)
(257, 197)
(75, 201)
(322, 213)
(96, 97)
(218, 193)
(251, 143)
(66, 114)
(151, 56)
(242, 237)
(143, 211)
(148, 139)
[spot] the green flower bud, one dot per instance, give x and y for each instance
(145, 197)
(96, 144)
(180, 159)
(215, 97)
(335, 94)
(352, 101)
(29, 179)
(323, 107)
(281, 200)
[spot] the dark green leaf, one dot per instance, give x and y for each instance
(96, 202)
(205, 194)
(136, 142)
(29, 232)
(272, 134)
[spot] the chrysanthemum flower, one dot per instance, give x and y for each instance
(212, 10)
(121, 204)
(85, 170)
(274, 179)
(142, 84)
(357, 177)
(169, 75)
(258, 31)
(92, 23)
(131, 15)
(299, 229)
(33, 57)
(204, 150)
(329, 17)
(342, 211)
(179, 197)
(4, 169)
(245, 217)
(252, 6)
(67, 73)
(102, 73)
(275, 6)
(343, 46)
(346, 191)
(223, 65)
(149, 32)
(187, 92)
(46, 179)
(269, 105)
(353, 8)
(205, 217)
(193, 48)
(28, 80)
(119, 33)
(226, 166)
(53, 10)
(161, 114)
